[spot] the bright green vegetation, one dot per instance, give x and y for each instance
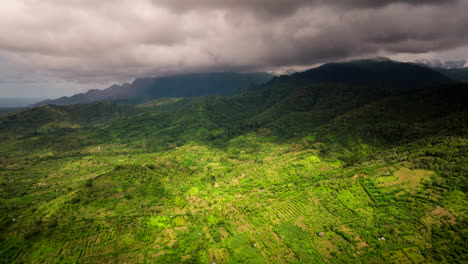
(287, 174)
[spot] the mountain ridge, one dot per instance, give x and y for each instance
(184, 85)
(378, 72)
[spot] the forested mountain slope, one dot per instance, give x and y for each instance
(150, 88)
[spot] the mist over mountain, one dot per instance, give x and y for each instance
(377, 72)
(440, 64)
(451, 69)
(380, 72)
(459, 74)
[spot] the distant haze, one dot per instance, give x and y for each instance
(51, 48)
(18, 102)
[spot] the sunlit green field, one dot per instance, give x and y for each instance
(253, 201)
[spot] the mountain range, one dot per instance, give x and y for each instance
(380, 72)
(149, 88)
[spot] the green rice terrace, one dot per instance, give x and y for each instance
(286, 173)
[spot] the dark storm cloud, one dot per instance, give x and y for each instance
(92, 41)
(285, 7)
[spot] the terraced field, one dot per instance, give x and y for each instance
(197, 204)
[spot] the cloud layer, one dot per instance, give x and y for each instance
(92, 41)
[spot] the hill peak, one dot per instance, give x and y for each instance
(376, 72)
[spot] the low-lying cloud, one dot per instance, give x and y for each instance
(91, 41)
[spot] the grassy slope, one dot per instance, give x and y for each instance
(244, 179)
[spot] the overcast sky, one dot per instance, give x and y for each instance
(50, 48)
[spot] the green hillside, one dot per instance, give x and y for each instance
(290, 172)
